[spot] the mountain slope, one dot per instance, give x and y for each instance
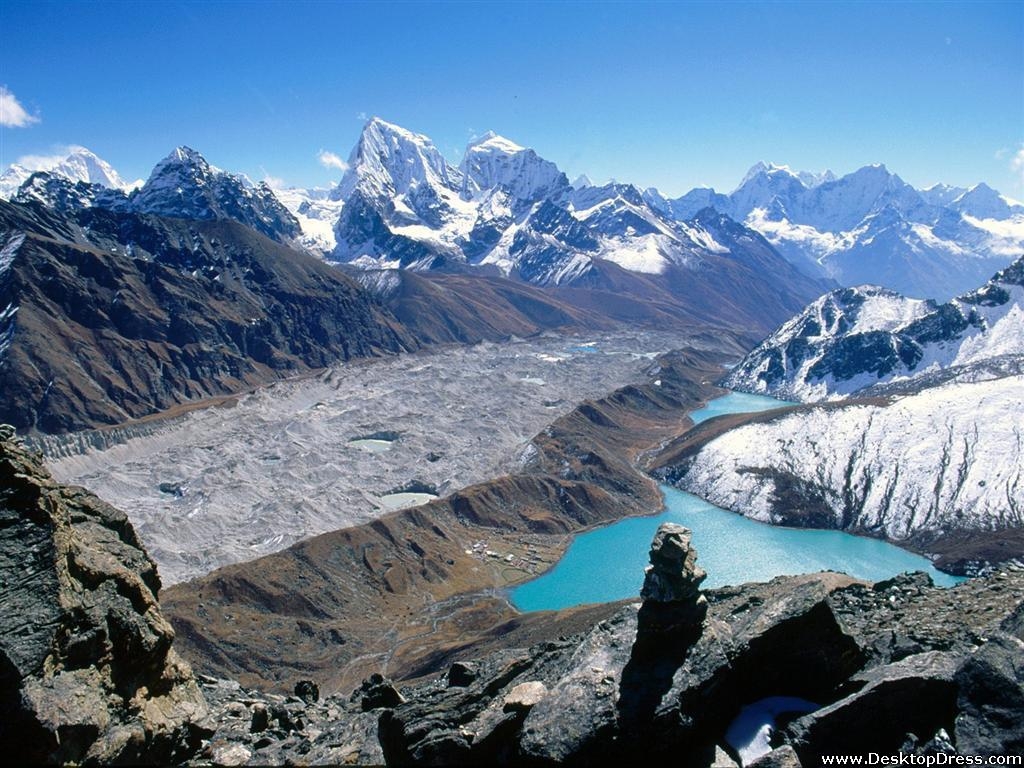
(855, 338)
(106, 316)
(185, 186)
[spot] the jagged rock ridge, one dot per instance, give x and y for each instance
(856, 338)
(183, 185)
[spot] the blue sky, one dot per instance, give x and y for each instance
(671, 95)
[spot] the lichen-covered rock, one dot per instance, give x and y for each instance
(87, 673)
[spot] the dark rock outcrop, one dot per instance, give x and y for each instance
(87, 672)
(915, 695)
(990, 693)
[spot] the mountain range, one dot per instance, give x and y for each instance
(400, 203)
(871, 227)
(116, 301)
(505, 244)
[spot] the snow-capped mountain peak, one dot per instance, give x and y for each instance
(493, 141)
(83, 165)
(184, 185)
(390, 161)
(79, 164)
(983, 202)
(181, 164)
(761, 168)
(493, 161)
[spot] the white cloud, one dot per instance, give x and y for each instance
(12, 114)
(274, 182)
(1017, 164)
(362, 116)
(47, 162)
(330, 160)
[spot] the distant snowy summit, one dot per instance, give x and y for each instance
(78, 165)
(183, 185)
(870, 226)
(855, 340)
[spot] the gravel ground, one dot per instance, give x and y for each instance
(224, 485)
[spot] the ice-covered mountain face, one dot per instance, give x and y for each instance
(316, 212)
(185, 186)
(78, 165)
(872, 227)
(917, 469)
(854, 339)
(402, 203)
(493, 161)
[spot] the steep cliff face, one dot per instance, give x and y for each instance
(87, 673)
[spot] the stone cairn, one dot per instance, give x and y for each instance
(673, 610)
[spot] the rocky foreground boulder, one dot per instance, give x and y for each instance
(87, 672)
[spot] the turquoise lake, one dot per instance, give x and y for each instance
(608, 563)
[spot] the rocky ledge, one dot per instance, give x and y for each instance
(87, 672)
